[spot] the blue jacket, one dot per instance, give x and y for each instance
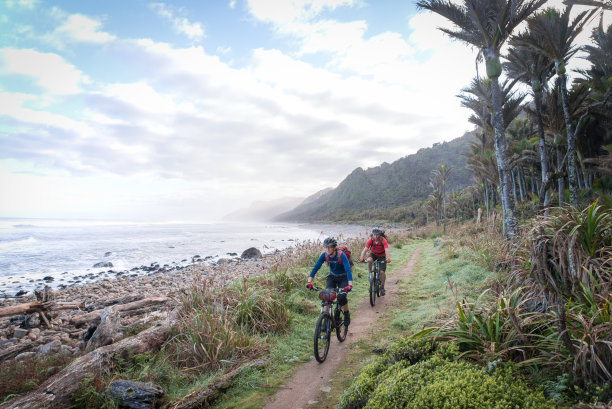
(334, 266)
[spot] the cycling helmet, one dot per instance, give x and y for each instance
(330, 241)
(376, 231)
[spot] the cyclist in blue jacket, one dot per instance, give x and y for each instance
(340, 275)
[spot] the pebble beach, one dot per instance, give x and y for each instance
(26, 332)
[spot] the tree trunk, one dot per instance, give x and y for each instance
(510, 224)
(486, 196)
(572, 173)
(537, 96)
(514, 185)
(522, 184)
(561, 180)
(55, 392)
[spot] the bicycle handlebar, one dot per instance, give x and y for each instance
(337, 290)
(365, 261)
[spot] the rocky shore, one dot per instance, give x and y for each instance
(64, 320)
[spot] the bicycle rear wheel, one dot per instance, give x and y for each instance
(321, 338)
(341, 328)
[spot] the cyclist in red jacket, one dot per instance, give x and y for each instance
(378, 246)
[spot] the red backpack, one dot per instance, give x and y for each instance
(340, 250)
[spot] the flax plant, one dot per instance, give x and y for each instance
(505, 331)
(567, 260)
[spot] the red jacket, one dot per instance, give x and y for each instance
(377, 249)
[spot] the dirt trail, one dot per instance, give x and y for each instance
(309, 383)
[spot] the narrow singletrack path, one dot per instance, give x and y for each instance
(311, 380)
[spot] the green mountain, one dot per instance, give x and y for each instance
(389, 189)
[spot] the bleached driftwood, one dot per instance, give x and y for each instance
(110, 321)
(14, 350)
(132, 306)
(37, 306)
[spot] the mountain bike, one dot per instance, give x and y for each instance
(374, 279)
(328, 322)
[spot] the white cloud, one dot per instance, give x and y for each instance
(76, 28)
(182, 25)
(47, 70)
(82, 29)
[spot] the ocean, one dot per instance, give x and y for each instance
(35, 252)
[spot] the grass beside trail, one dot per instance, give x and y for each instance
(438, 280)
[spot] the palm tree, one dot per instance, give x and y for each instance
(534, 69)
(555, 35)
(597, 78)
(487, 24)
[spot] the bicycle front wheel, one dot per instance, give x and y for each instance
(321, 338)
(372, 291)
(341, 328)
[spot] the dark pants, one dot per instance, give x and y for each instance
(383, 263)
(338, 281)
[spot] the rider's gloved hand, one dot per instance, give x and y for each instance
(388, 260)
(348, 288)
(309, 286)
(361, 259)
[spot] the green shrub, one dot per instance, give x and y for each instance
(437, 383)
(357, 395)
(448, 351)
(400, 354)
(408, 349)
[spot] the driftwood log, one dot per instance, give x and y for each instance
(205, 398)
(131, 306)
(37, 306)
(107, 330)
(14, 350)
(55, 392)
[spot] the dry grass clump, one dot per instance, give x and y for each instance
(212, 331)
(20, 376)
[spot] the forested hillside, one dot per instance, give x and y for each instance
(397, 186)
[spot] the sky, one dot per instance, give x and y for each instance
(188, 110)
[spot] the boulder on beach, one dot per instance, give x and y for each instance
(251, 253)
(103, 264)
(107, 254)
